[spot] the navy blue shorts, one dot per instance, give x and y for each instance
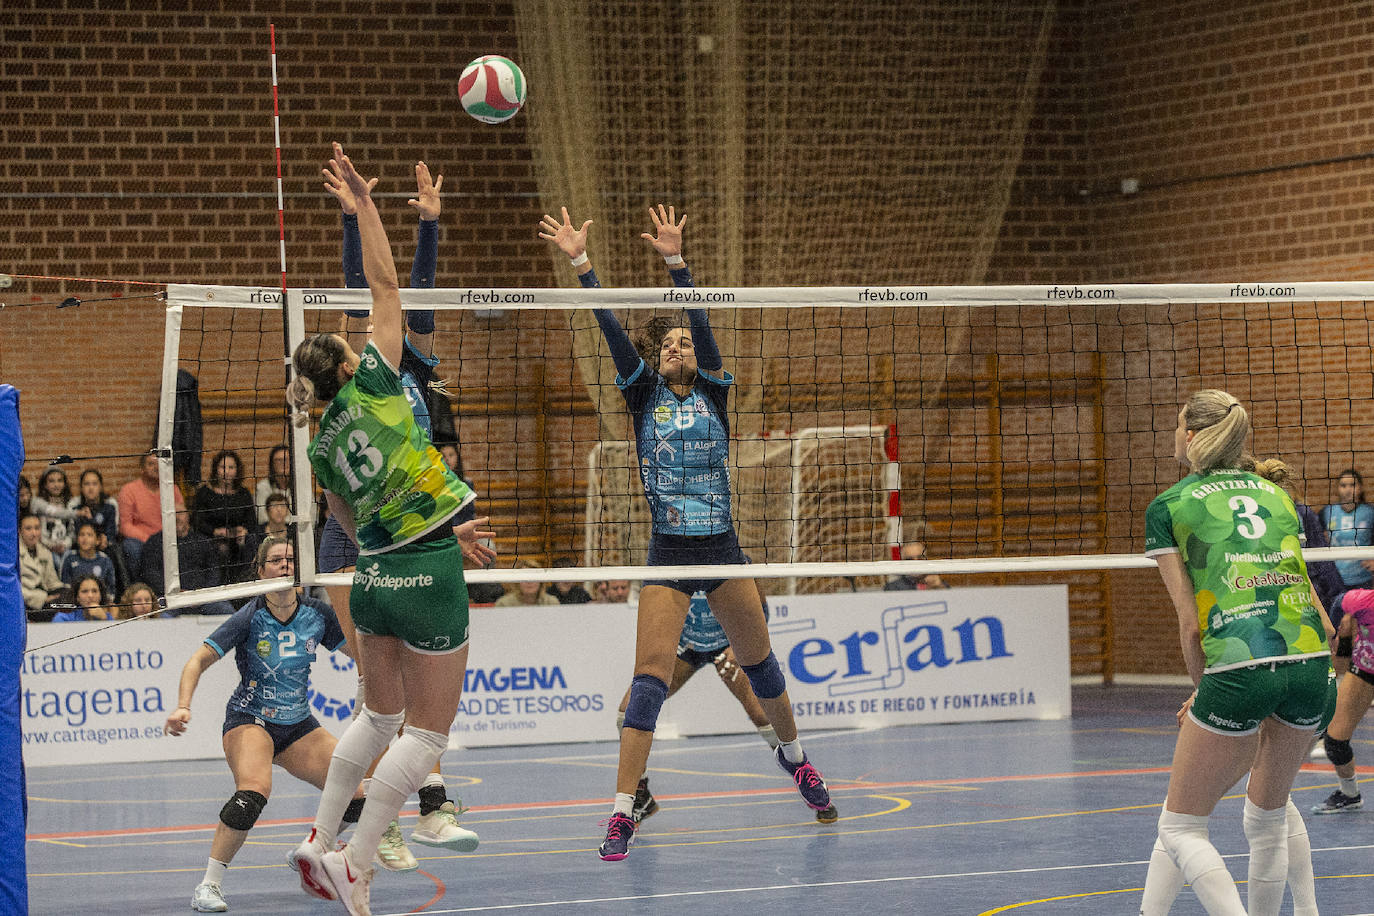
(696, 657)
(683, 550)
(337, 550)
(283, 736)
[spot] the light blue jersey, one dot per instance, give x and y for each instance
(1350, 529)
(274, 657)
(702, 631)
(684, 450)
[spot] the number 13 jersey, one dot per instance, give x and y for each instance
(370, 452)
(1239, 538)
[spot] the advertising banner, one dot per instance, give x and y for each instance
(542, 675)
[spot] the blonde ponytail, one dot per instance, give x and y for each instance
(1220, 427)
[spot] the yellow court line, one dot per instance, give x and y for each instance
(1124, 890)
(65, 843)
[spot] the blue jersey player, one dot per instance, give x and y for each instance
(677, 403)
(273, 639)
(1350, 523)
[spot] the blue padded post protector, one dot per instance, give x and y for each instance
(14, 889)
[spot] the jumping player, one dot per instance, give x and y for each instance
(1253, 638)
(396, 498)
(268, 719)
(678, 409)
(438, 824)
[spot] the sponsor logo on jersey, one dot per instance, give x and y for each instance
(663, 413)
(264, 648)
(371, 577)
(369, 361)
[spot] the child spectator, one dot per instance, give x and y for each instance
(1350, 523)
(38, 578)
(277, 508)
(138, 600)
(526, 594)
(100, 508)
(86, 559)
(278, 480)
(50, 505)
(140, 511)
(90, 603)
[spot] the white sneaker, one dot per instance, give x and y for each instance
(208, 898)
(305, 859)
(440, 828)
(392, 853)
(1319, 753)
(353, 886)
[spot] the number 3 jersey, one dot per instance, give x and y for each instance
(1239, 538)
(274, 658)
(370, 452)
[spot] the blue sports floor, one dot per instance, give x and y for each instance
(1015, 817)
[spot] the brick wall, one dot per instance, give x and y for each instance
(137, 143)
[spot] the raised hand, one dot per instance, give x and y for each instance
(344, 182)
(667, 234)
(470, 536)
(426, 198)
(572, 242)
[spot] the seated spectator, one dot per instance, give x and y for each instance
(613, 591)
(91, 603)
(278, 480)
(278, 508)
(914, 550)
(568, 592)
(138, 600)
(25, 496)
(100, 508)
(140, 511)
(38, 579)
(50, 505)
(197, 565)
(223, 508)
(526, 594)
(85, 559)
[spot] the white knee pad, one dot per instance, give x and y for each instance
(410, 760)
(368, 736)
(1186, 838)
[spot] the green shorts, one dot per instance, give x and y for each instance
(416, 593)
(1235, 702)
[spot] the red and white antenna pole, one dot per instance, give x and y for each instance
(276, 130)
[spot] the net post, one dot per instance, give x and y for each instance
(298, 441)
(166, 470)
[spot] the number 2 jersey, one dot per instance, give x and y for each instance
(1239, 538)
(274, 658)
(370, 452)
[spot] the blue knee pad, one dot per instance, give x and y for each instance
(647, 694)
(766, 678)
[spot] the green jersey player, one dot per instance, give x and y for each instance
(1254, 638)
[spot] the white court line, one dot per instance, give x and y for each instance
(818, 884)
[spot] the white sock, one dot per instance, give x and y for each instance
(399, 773)
(1300, 879)
(433, 779)
(1185, 837)
(1349, 787)
(1163, 881)
(1267, 834)
(768, 734)
(362, 741)
(214, 872)
(624, 804)
(792, 750)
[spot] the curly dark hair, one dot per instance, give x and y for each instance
(651, 337)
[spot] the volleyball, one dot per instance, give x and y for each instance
(492, 89)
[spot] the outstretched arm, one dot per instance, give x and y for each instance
(666, 239)
(420, 322)
(377, 263)
(573, 243)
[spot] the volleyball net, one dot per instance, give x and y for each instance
(1019, 433)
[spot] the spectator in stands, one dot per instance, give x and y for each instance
(568, 592)
(526, 594)
(197, 565)
(278, 480)
(38, 578)
(277, 508)
(91, 603)
(454, 461)
(50, 505)
(138, 600)
(140, 512)
(87, 559)
(1350, 523)
(25, 496)
(615, 591)
(914, 550)
(102, 510)
(224, 510)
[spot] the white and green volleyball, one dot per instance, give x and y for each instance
(492, 89)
